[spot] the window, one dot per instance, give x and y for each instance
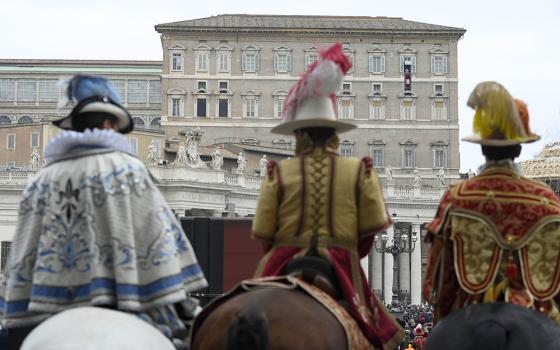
(26, 90)
(48, 90)
(282, 60)
(119, 87)
(11, 142)
(223, 62)
(7, 90)
(34, 140)
(310, 58)
(224, 86)
(223, 107)
(201, 58)
(346, 87)
(155, 91)
(138, 122)
(439, 65)
(345, 109)
(278, 107)
(250, 104)
(377, 156)
(25, 119)
(250, 62)
(156, 122)
(376, 64)
(177, 61)
(201, 85)
(377, 109)
(4, 119)
(137, 91)
(439, 149)
(133, 145)
(438, 89)
(250, 108)
(175, 106)
(439, 158)
(201, 107)
(408, 158)
(4, 252)
(407, 110)
(376, 87)
(250, 59)
(439, 112)
(410, 60)
(345, 148)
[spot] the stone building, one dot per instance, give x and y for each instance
(545, 166)
(230, 74)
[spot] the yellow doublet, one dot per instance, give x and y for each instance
(320, 197)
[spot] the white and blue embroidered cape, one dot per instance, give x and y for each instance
(93, 229)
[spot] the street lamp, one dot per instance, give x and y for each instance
(399, 245)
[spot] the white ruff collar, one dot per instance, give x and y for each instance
(73, 141)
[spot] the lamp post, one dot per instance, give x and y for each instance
(400, 244)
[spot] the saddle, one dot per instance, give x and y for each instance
(316, 271)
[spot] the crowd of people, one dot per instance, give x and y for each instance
(416, 320)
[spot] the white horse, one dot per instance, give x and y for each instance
(93, 328)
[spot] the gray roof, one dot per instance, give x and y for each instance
(246, 22)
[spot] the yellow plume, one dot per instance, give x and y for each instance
(496, 116)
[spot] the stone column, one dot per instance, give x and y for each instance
(388, 271)
(377, 273)
(416, 267)
(404, 259)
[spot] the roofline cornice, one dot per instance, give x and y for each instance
(459, 33)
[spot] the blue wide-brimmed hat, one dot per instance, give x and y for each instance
(94, 94)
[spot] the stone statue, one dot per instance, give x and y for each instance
(263, 163)
(417, 178)
(153, 152)
(441, 177)
(471, 174)
(181, 158)
(35, 159)
(217, 160)
(194, 136)
(241, 164)
(389, 173)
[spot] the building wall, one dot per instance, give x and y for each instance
(423, 130)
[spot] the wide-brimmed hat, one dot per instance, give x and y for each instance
(94, 94)
(311, 102)
(499, 119)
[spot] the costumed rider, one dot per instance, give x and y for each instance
(94, 230)
(321, 203)
(496, 235)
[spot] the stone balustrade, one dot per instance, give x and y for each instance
(172, 174)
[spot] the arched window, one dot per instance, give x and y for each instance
(139, 122)
(4, 119)
(156, 122)
(25, 120)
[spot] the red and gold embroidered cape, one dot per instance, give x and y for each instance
(337, 203)
(495, 237)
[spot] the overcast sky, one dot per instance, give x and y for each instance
(516, 43)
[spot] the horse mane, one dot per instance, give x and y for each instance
(248, 331)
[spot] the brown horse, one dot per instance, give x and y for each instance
(270, 318)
